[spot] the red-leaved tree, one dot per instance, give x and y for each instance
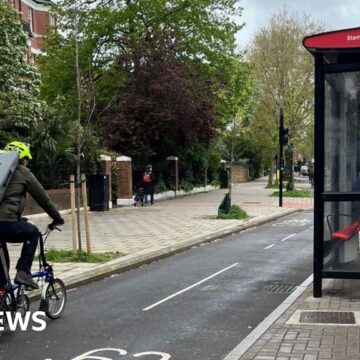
(165, 104)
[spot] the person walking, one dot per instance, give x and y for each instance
(14, 228)
(148, 185)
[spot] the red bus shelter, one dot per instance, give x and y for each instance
(337, 154)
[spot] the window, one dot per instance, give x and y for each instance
(31, 19)
(342, 131)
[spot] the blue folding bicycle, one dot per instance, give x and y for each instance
(53, 294)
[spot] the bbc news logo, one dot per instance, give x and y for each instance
(15, 321)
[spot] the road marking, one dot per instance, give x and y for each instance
(288, 237)
(164, 356)
(268, 247)
(89, 353)
(293, 222)
(189, 287)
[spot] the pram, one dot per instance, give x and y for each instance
(139, 197)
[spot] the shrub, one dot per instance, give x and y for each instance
(215, 182)
(160, 186)
(236, 212)
(186, 186)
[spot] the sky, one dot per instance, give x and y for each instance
(335, 14)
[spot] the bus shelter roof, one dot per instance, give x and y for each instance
(340, 40)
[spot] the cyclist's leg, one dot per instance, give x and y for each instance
(28, 234)
(21, 232)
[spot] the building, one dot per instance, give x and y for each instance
(36, 20)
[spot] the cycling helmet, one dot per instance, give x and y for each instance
(23, 149)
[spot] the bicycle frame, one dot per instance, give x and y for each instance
(46, 273)
(11, 289)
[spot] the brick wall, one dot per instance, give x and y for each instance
(36, 43)
(60, 197)
(41, 22)
(124, 176)
(24, 12)
(240, 173)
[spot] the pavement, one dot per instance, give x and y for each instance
(145, 234)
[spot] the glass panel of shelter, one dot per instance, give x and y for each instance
(342, 170)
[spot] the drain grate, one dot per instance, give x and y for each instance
(325, 317)
(279, 288)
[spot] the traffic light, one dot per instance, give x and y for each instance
(284, 139)
(282, 166)
(283, 132)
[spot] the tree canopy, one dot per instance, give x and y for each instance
(146, 67)
(20, 108)
(165, 105)
(284, 72)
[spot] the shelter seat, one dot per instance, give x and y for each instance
(346, 232)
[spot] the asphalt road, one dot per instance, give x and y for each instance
(197, 305)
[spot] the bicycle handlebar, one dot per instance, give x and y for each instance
(51, 227)
(54, 226)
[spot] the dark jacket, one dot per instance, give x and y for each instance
(149, 186)
(13, 203)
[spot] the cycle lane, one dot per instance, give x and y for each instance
(109, 314)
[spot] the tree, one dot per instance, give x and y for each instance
(165, 106)
(284, 71)
(20, 108)
(107, 29)
(237, 105)
(206, 28)
(237, 100)
(110, 31)
(76, 88)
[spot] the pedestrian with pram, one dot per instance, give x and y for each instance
(148, 183)
(139, 197)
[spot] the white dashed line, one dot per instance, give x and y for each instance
(268, 247)
(189, 287)
(288, 237)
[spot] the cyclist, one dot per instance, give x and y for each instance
(14, 228)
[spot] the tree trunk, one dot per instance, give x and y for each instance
(78, 122)
(271, 176)
(289, 174)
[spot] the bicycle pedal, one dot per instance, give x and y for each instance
(44, 305)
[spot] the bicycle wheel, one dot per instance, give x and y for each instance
(23, 304)
(55, 296)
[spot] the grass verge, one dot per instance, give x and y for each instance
(294, 193)
(276, 186)
(235, 213)
(54, 255)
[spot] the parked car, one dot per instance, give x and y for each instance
(304, 170)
